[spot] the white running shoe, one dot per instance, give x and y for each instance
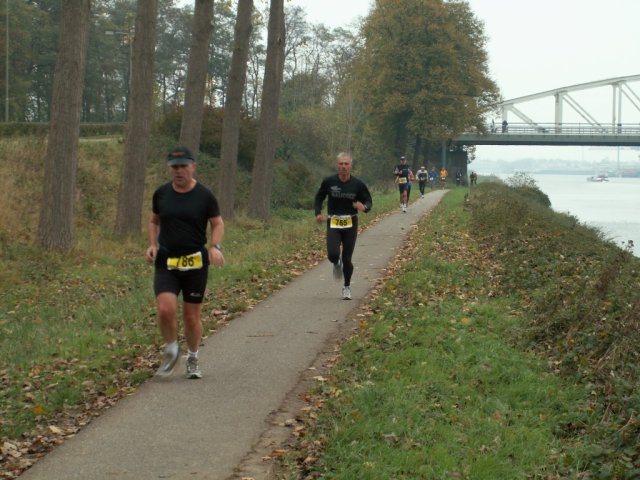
(168, 362)
(193, 370)
(346, 293)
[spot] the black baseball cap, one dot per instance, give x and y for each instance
(179, 156)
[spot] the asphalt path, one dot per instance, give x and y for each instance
(176, 428)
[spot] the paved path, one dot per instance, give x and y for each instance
(185, 429)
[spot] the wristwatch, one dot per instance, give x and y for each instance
(218, 246)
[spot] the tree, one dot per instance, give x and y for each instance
(136, 147)
(32, 35)
(233, 109)
(222, 45)
(262, 178)
(197, 76)
(55, 227)
(255, 67)
(172, 52)
(423, 70)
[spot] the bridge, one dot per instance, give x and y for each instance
(592, 130)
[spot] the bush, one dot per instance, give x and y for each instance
(528, 188)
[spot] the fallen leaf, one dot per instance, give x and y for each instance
(279, 452)
(38, 410)
(55, 430)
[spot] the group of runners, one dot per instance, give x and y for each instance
(404, 175)
(183, 210)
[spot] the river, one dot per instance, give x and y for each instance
(613, 206)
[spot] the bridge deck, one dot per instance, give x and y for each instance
(525, 134)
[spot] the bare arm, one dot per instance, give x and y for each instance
(217, 234)
(152, 235)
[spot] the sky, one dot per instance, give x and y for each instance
(541, 45)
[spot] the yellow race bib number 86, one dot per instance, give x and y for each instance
(185, 262)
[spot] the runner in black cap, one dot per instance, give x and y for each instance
(182, 209)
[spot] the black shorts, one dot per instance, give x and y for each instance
(192, 283)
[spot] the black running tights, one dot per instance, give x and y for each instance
(346, 237)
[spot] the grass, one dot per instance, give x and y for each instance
(440, 382)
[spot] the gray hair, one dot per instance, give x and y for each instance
(344, 155)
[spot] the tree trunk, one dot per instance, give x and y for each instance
(197, 76)
(55, 227)
(416, 153)
(261, 182)
(136, 147)
(232, 109)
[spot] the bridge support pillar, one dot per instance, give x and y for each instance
(558, 111)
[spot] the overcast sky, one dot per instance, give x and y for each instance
(541, 45)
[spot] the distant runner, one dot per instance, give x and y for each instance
(348, 195)
(433, 177)
(443, 177)
(422, 175)
(403, 175)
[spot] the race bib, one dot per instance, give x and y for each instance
(402, 180)
(185, 262)
(341, 221)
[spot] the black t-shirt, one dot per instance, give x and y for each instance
(183, 218)
(402, 170)
(342, 195)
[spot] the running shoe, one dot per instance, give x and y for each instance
(168, 362)
(337, 269)
(346, 293)
(404, 209)
(193, 370)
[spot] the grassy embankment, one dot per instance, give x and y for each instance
(78, 329)
(503, 345)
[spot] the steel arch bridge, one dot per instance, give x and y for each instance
(618, 130)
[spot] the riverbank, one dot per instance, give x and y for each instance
(502, 345)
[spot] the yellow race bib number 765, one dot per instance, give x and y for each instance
(341, 221)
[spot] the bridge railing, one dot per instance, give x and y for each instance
(581, 129)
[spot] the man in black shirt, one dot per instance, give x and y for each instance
(182, 209)
(422, 175)
(403, 175)
(348, 195)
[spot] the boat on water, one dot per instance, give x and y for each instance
(598, 178)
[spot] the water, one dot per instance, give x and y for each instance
(612, 206)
